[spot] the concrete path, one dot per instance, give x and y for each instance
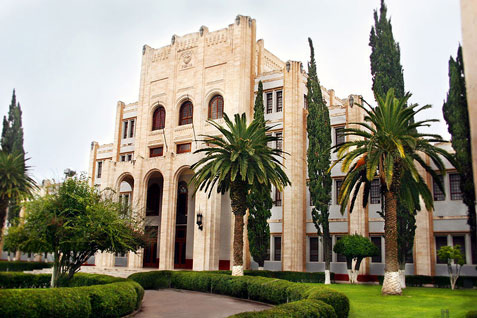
(176, 303)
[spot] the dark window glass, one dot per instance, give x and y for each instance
(269, 103)
(277, 246)
(375, 192)
(440, 241)
(376, 240)
(131, 129)
(156, 152)
(339, 257)
(338, 183)
(100, 169)
(123, 158)
(279, 142)
(153, 200)
(267, 257)
(454, 180)
(339, 135)
(159, 118)
(438, 194)
(216, 107)
(409, 257)
(125, 130)
(459, 240)
(313, 249)
(278, 198)
(305, 102)
(279, 101)
(181, 148)
(185, 114)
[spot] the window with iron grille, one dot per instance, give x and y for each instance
(269, 103)
(375, 192)
(314, 249)
(216, 107)
(278, 198)
(100, 169)
(131, 128)
(279, 140)
(277, 248)
(125, 129)
(338, 183)
(454, 180)
(438, 194)
(376, 240)
(279, 101)
(339, 135)
(185, 114)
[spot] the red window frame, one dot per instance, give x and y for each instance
(186, 113)
(156, 152)
(183, 148)
(159, 118)
(216, 107)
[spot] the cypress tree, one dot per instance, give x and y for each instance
(387, 73)
(457, 117)
(12, 142)
(319, 158)
(259, 202)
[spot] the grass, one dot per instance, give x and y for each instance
(366, 301)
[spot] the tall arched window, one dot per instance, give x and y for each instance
(185, 114)
(216, 107)
(159, 118)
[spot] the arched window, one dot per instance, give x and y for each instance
(216, 107)
(159, 118)
(185, 114)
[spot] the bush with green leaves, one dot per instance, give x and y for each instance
(355, 248)
(292, 299)
(454, 258)
(20, 266)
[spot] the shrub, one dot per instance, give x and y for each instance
(23, 280)
(471, 314)
(112, 300)
(153, 280)
(300, 309)
(20, 266)
(298, 277)
(82, 279)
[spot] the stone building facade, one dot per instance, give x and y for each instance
(200, 76)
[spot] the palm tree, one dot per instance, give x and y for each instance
(235, 162)
(389, 147)
(15, 184)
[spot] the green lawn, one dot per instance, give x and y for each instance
(367, 301)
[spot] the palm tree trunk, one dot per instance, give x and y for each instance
(238, 196)
(392, 280)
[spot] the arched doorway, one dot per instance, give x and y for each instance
(126, 188)
(153, 209)
(185, 207)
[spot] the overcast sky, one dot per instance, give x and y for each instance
(71, 61)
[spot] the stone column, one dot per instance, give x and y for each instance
(168, 220)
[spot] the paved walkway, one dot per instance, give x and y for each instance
(176, 303)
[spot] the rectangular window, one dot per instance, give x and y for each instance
(125, 129)
(279, 101)
(131, 128)
(130, 156)
(454, 180)
(375, 192)
(339, 257)
(338, 183)
(409, 257)
(278, 198)
(305, 101)
(156, 152)
(440, 241)
(459, 240)
(269, 103)
(376, 240)
(313, 249)
(100, 169)
(279, 140)
(122, 158)
(277, 248)
(339, 135)
(182, 148)
(438, 194)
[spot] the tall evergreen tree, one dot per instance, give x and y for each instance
(318, 156)
(259, 202)
(12, 142)
(387, 72)
(457, 117)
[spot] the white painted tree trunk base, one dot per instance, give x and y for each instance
(260, 268)
(391, 284)
(237, 270)
(402, 273)
(327, 277)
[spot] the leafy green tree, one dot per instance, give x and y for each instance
(319, 159)
(238, 159)
(74, 222)
(456, 115)
(259, 202)
(15, 184)
(387, 73)
(355, 248)
(390, 147)
(12, 142)
(455, 260)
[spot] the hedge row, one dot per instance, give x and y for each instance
(437, 281)
(298, 277)
(313, 301)
(102, 297)
(20, 266)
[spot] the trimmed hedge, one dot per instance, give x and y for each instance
(100, 296)
(293, 299)
(297, 277)
(437, 281)
(20, 266)
(471, 314)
